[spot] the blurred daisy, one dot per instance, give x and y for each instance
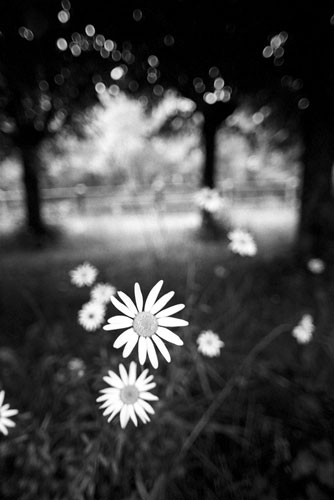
(5, 413)
(128, 395)
(209, 343)
(91, 315)
(209, 200)
(77, 367)
(83, 275)
(316, 266)
(303, 332)
(242, 242)
(102, 292)
(146, 324)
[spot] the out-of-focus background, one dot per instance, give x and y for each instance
(138, 137)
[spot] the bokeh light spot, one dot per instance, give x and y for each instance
(61, 44)
(214, 72)
(210, 97)
(267, 52)
(63, 16)
(153, 61)
(303, 103)
(100, 88)
(218, 83)
(137, 15)
(90, 30)
(114, 90)
(117, 73)
(169, 40)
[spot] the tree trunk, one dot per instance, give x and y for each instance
(30, 164)
(214, 115)
(209, 138)
(316, 227)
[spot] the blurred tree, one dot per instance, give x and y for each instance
(220, 54)
(55, 60)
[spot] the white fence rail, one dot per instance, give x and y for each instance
(180, 197)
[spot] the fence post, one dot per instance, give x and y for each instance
(80, 193)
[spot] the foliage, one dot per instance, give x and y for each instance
(255, 423)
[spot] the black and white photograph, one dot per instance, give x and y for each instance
(166, 250)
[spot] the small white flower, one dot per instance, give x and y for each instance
(209, 200)
(5, 413)
(146, 324)
(102, 292)
(91, 315)
(242, 242)
(316, 266)
(128, 395)
(209, 343)
(83, 275)
(303, 332)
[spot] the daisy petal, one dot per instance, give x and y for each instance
(123, 338)
(10, 413)
(130, 346)
(128, 302)
(124, 416)
(119, 325)
(147, 407)
(109, 409)
(3, 429)
(141, 412)
(132, 414)
(115, 411)
(121, 307)
(2, 397)
(145, 387)
(168, 335)
(7, 422)
(162, 348)
(152, 296)
(151, 353)
(142, 350)
(124, 374)
(117, 319)
(138, 297)
(148, 396)
(170, 311)
(172, 322)
(161, 302)
(142, 376)
(113, 380)
(132, 373)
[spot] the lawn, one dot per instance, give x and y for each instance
(255, 422)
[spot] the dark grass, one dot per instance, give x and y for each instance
(257, 422)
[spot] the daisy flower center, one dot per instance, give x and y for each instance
(145, 324)
(129, 394)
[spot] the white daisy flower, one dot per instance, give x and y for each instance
(102, 292)
(146, 324)
(242, 242)
(83, 275)
(209, 200)
(316, 266)
(209, 343)
(128, 395)
(5, 413)
(91, 315)
(303, 332)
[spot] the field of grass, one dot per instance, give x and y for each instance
(256, 422)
